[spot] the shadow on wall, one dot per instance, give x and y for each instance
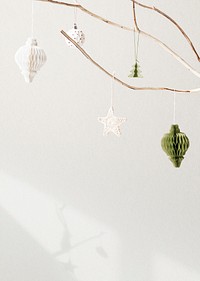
(83, 248)
(68, 250)
(22, 258)
(66, 246)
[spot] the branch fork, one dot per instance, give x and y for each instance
(143, 33)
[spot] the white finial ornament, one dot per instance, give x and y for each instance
(110, 121)
(30, 58)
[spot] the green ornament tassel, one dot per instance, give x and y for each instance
(136, 72)
(175, 144)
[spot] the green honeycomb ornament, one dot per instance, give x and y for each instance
(175, 144)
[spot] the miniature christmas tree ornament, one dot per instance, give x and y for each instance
(175, 144)
(135, 71)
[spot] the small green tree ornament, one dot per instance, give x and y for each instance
(136, 72)
(175, 144)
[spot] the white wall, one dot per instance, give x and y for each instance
(74, 204)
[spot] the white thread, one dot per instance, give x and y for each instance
(138, 40)
(75, 15)
(136, 44)
(112, 88)
(75, 12)
(174, 113)
(134, 41)
(32, 19)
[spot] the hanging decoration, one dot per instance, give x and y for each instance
(136, 72)
(110, 121)
(30, 58)
(136, 28)
(76, 34)
(175, 143)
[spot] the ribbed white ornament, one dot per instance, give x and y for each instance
(77, 35)
(30, 58)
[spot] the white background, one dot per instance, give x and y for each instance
(75, 205)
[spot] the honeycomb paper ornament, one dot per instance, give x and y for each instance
(77, 35)
(30, 58)
(175, 144)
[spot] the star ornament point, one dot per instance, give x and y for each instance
(111, 123)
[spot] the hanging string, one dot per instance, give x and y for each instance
(75, 15)
(134, 37)
(174, 113)
(32, 19)
(75, 12)
(136, 44)
(112, 89)
(138, 41)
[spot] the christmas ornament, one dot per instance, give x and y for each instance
(77, 35)
(175, 144)
(110, 121)
(30, 58)
(135, 71)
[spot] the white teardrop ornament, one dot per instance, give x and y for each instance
(30, 58)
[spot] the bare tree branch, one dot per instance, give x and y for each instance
(120, 81)
(163, 45)
(134, 17)
(170, 51)
(78, 6)
(174, 22)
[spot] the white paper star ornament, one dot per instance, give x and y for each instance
(111, 123)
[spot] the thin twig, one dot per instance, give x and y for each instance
(174, 22)
(120, 81)
(134, 17)
(163, 45)
(78, 6)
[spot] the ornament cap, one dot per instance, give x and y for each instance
(31, 42)
(175, 129)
